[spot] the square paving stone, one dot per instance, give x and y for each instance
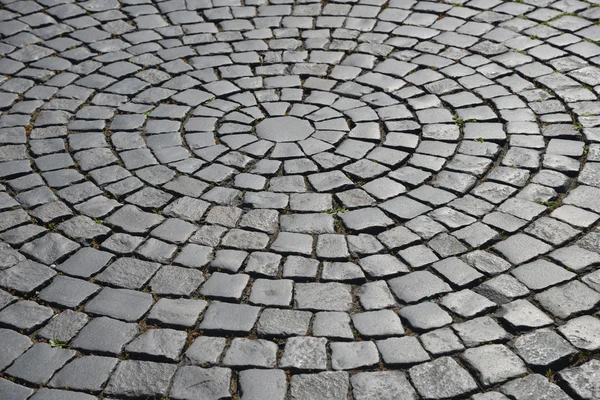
(583, 332)
(274, 322)
(521, 248)
(49, 248)
(568, 300)
(342, 272)
(174, 230)
(122, 243)
(382, 323)
(321, 386)
(304, 353)
(26, 276)
(533, 386)
(404, 208)
(332, 247)
(13, 345)
(85, 263)
(543, 349)
(10, 257)
(402, 352)
(494, 363)
(300, 267)
(156, 250)
(37, 365)
(186, 208)
(67, 292)
(323, 296)
(442, 378)
(480, 330)
(502, 289)
(418, 256)
(417, 286)
(293, 243)
(425, 316)
(205, 350)
(25, 315)
(234, 318)
(176, 281)
(225, 286)
(64, 326)
(262, 220)
(592, 280)
(230, 260)
(457, 272)
(485, 262)
(192, 382)
(226, 216)
(124, 304)
(263, 264)
(441, 342)
(575, 258)
(105, 335)
(88, 373)
(251, 353)
(246, 240)
(366, 220)
(582, 380)
(14, 391)
(385, 385)
(272, 292)
(257, 384)
(178, 313)
(353, 355)
(57, 394)
(398, 238)
(6, 298)
(541, 274)
(158, 344)
(128, 272)
(552, 231)
(467, 303)
(375, 295)
(140, 379)
(332, 325)
(133, 220)
(522, 315)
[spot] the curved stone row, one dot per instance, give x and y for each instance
(367, 199)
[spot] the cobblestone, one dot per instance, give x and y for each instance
(291, 199)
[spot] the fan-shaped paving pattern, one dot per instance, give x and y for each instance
(314, 200)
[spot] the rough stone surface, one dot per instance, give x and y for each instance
(331, 198)
(442, 378)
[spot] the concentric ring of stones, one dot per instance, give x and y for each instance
(315, 200)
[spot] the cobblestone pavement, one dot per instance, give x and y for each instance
(363, 199)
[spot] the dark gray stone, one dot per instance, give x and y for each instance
(37, 365)
(140, 379)
(13, 345)
(88, 373)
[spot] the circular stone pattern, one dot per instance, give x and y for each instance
(284, 129)
(299, 200)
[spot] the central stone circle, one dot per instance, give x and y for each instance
(284, 129)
